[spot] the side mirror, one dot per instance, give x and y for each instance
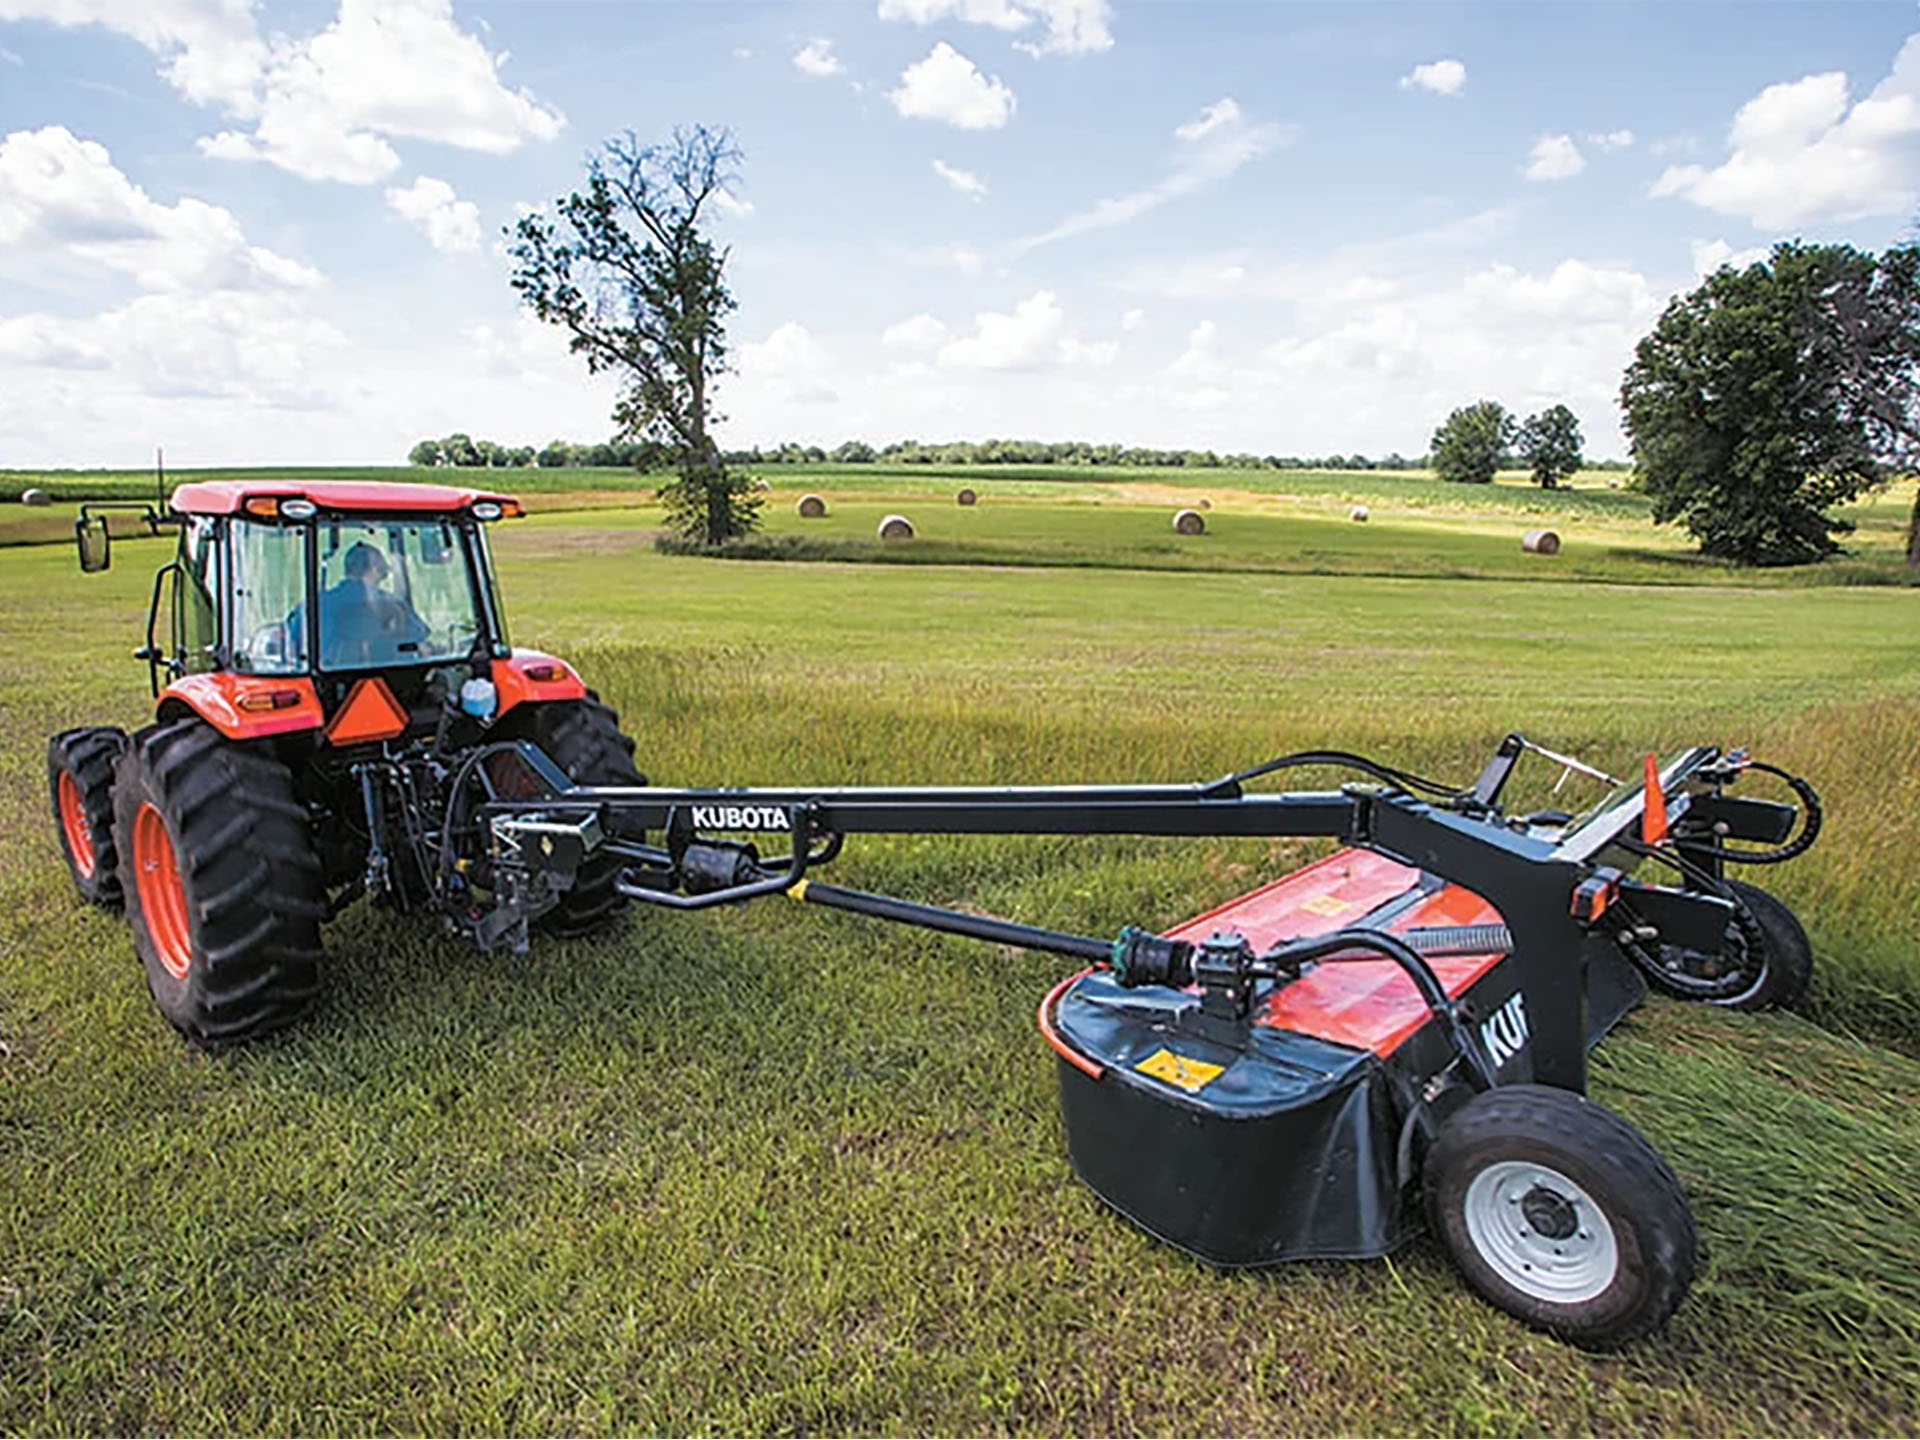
(96, 545)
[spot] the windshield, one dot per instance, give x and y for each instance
(269, 564)
(393, 592)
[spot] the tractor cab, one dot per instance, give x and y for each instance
(286, 600)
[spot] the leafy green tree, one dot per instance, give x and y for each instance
(1769, 395)
(427, 452)
(626, 267)
(853, 452)
(554, 455)
(1550, 445)
(1472, 445)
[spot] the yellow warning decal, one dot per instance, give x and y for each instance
(1189, 1074)
(1327, 905)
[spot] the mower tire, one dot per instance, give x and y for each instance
(80, 765)
(222, 884)
(1560, 1213)
(1777, 981)
(583, 737)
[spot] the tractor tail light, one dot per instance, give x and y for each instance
(257, 700)
(264, 506)
(542, 673)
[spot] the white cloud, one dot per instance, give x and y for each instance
(964, 181)
(792, 361)
(920, 332)
(324, 107)
(430, 206)
(967, 262)
(816, 57)
(1710, 255)
(728, 203)
(44, 340)
(1214, 145)
(1216, 116)
(1001, 14)
(1442, 77)
(1025, 339)
(1073, 27)
(1033, 336)
(65, 210)
(1610, 139)
(10, 56)
(256, 349)
(1134, 319)
(947, 86)
(1801, 153)
(1199, 360)
(1554, 157)
(210, 50)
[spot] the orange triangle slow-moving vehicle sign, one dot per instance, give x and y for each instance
(370, 713)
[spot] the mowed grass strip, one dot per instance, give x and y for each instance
(786, 1171)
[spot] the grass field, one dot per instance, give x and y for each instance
(1281, 522)
(778, 1170)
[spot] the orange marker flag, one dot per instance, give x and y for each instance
(1653, 811)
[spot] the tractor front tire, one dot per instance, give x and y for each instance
(222, 884)
(1560, 1213)
(1774, 979)
(583, 737)
(80, 765)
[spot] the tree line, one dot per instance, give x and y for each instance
(464, 451)
(1762, 399)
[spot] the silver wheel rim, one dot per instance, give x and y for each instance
(1541, 1233)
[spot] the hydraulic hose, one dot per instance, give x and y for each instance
(1812, 817)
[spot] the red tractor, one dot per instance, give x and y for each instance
(336, 654)
(1284, 1077)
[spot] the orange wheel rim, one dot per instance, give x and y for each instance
(163, 899)
(73, 824)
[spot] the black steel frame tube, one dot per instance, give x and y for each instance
(953, 922)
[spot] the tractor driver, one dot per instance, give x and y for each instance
(362, 623)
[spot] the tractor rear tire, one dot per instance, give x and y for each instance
(1560, 1213)
(222, 883)
(583, 737)
(80, 765)
(1786, 960)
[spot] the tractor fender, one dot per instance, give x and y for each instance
(531, 675)
(244, 707)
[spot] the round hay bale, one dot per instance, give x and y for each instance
(1540, 542)
(35, 497)
(1203, 503)
(1359, 514)
(811, 507)
(896, 527)
(1190, 522)
(966, 497)
(763, 485)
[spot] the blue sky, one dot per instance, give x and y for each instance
(251, 230)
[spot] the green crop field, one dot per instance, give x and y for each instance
(780, 1170)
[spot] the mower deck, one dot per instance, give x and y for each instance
(1369, 1004)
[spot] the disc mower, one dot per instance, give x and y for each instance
(1395, 1034)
